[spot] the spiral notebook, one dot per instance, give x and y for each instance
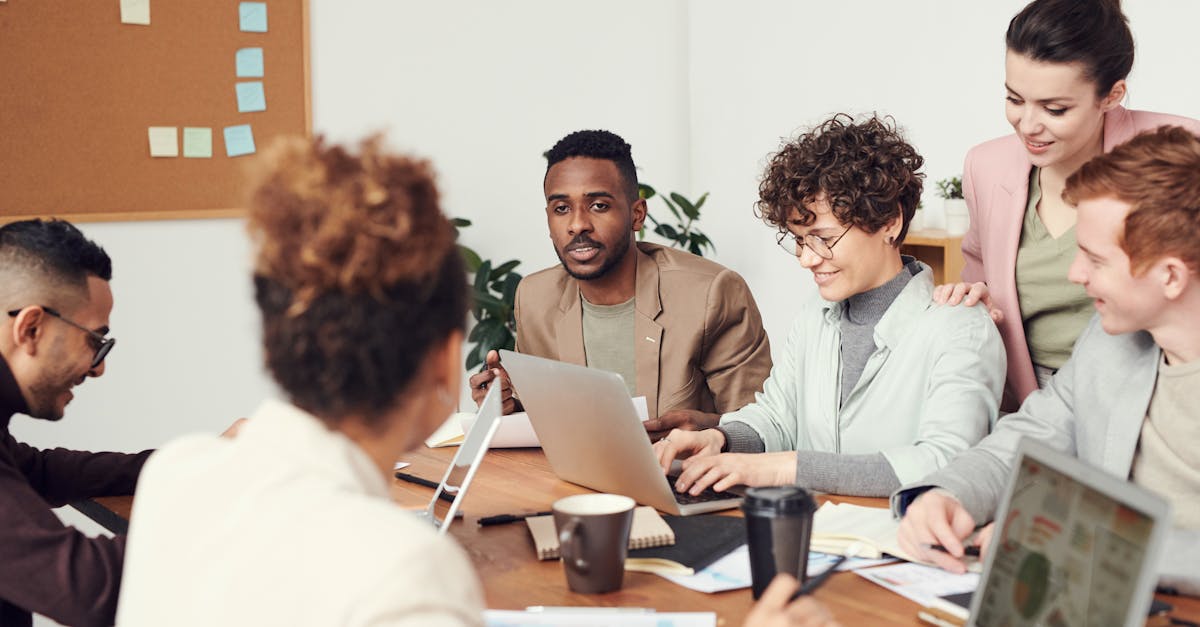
(648, 530)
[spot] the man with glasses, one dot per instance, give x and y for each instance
(54, 287)
(876, 386)
(681, 330)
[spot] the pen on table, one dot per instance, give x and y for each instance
(503, 519)
(811, 585)
(404, 476)
(968, 551)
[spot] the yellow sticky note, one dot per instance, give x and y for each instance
(164, 141)
(197, 142)
(135, 12)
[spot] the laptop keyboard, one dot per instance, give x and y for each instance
(685, 498)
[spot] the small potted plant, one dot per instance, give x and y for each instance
(950, 190)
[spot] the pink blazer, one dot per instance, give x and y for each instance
(996, 188)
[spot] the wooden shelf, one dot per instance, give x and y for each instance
(939, 250)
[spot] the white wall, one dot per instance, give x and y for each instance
(703, 90)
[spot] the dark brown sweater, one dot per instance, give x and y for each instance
(46, 566)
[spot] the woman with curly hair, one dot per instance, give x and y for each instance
(876, 386)
(1064, 79)
(363, 303)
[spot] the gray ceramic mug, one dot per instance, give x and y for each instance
(593, 540)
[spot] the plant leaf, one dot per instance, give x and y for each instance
(673, 208)
(645, 191)
(688, 208)
(470, 258)
(509, 293)
(700, 203)
(503, 269)
(458, 223)
(667, 231)
(481, 277)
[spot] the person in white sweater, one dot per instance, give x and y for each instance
(363, 301)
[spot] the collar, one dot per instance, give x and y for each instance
(905, 310)
(645, 290)
(11, 399)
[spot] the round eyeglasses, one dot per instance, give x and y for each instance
(823, 248)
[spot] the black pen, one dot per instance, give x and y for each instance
(404, 476)
(968, 551)
(504, 519)
(811, 585)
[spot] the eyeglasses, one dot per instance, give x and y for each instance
(103, 344)
(795, 245)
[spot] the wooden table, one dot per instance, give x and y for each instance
(520, 481)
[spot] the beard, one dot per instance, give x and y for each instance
(51, 383)
(610, 261)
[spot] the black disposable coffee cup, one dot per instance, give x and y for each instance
(778, 527)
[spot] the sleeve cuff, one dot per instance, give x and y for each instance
(741, 438)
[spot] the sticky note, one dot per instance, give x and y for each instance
(164, 141)
(197, 142)
(135, 11)
(249, 63)
(252, 17)
(250, 97)
(239, 140)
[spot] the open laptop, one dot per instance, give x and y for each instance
(592, 436)
(1073, 545)
(466, 461)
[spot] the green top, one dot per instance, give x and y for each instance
(608, 339)
(1054, 310)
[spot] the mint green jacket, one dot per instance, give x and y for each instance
(930, 391)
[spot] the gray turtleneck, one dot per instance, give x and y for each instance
(867, 474)
(860, 313)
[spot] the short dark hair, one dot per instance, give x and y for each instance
(357, 274)
(56, 248)
(866, 169)
(598, 145)
(1092, 33)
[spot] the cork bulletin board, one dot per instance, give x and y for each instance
(92, 87)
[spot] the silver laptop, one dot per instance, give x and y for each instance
(466, 461)
(592, 436)
(1073, 545)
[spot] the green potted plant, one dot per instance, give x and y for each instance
(957, 219)
(493, 294)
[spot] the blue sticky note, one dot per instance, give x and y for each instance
(250, 97)
(250, 63)
(239, 140)
(252, 17)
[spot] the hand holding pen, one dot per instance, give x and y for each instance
(493, 371)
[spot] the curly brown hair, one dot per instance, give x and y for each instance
(356, 273)
(866, 169)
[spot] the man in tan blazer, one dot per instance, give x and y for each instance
(682, 331)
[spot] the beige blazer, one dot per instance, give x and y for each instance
(996, 187)
(700, 342)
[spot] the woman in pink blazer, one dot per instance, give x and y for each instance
(1065, 75)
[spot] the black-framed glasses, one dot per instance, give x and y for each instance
(795, 245)
(103, 344)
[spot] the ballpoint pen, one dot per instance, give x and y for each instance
(404, 476)
(502, 519)
(811, 585)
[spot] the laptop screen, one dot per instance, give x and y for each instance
(1065, 554)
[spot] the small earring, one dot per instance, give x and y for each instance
(891, 240)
